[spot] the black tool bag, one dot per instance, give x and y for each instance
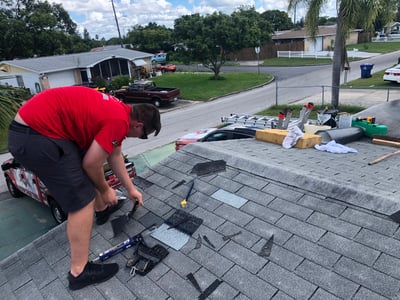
(146, 258)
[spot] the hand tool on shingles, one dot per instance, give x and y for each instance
(193, 281)
(184, 201)
(208, 241)
(128, 243)
(228, 237)
(199, 242)
(178, 184)
(266, 249)
(210, 289)
(118, 224)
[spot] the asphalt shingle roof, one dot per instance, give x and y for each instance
(72, 61)
(328, 215)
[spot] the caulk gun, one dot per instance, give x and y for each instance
(118, 248)
(128, 243)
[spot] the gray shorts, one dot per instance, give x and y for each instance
(57, 162)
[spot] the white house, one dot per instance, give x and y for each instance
(41, 73)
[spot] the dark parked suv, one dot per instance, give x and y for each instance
(228, 132)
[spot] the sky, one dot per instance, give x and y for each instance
(97, 16)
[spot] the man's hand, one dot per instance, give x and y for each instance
(135, 195)
(116, 161)
(109, 197)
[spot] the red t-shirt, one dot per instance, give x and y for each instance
(78, 114)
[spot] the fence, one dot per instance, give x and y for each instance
(317, 54)
(304, 54)
(321, 95)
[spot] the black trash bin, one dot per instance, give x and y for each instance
(366, 70)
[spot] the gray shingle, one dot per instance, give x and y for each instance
(379, 242)
(389, 265)
(250, 286)
(369, 221)
(211, 260)
(145, 289)
(233, 215)
(349, 248)
(312, 251)
(328, 280)
(287, 281)
(261, 212)
(41, 273)
(322, 205)
(334, 225)
(300, 228)
(265, 230)
(320, 294)
(368, 277)
(282, 192)
(255, 195)
(291, 209)
(245, 258)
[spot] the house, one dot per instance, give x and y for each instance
(394, 28)
(325, 38)
(41, 73)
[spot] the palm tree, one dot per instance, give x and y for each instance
(350, 14)
(9, 104)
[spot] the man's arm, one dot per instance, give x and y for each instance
(93, 162)
(117, 164)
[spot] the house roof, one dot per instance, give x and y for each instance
(57, 63)
(328, 214)
(302, 33)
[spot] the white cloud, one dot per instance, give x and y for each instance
(98, 18)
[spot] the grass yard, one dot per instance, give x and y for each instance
(375, 47)
(3, 141)
(375, 81)
(202, 86)
(286, 61)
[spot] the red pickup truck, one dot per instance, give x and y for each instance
(146, 91)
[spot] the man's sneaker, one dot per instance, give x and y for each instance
(92, 273)
(102, 216)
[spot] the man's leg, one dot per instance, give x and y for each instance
(83, 272)
(79, 230)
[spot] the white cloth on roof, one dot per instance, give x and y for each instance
(334, 147)
(292, 137)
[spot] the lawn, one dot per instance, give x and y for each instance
(203, 87)
(375, 81)
(296, 61)
(375, 47)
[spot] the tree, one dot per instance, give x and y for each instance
(349, 14)
(208, 39)
(278, 19)
(32, 27)
(150, 38)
